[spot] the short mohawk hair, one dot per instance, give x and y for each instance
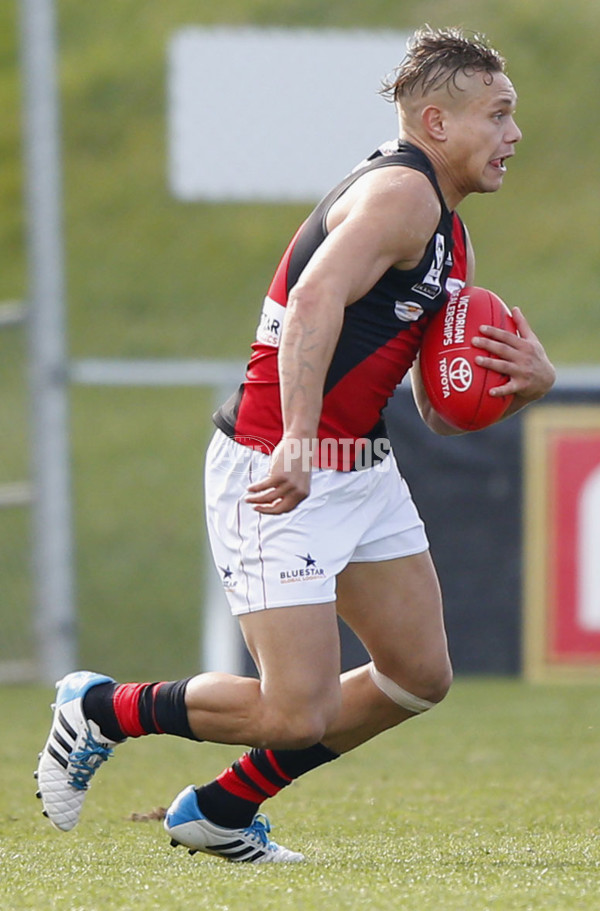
(435, 57)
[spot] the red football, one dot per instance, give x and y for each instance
(457, 387)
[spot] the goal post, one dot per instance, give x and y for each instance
(51, 507)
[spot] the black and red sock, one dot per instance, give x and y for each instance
(233, 799)
(133, 709)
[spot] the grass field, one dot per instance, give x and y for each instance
(490, 802)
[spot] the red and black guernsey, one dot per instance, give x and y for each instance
(380, 336)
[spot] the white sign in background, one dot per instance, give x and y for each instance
(275, 114)
(589, 553)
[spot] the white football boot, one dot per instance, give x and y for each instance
(189, 827)
(73, 752)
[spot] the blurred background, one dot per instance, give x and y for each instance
(148, 276)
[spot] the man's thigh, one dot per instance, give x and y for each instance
(297, 653)
(395, 608)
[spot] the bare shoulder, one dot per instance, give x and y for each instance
(399, 198)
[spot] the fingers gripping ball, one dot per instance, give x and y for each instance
(457, 387)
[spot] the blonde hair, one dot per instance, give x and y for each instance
(436, 57)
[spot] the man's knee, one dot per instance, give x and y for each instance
(297, 725)
(436, 682)
(295, 730)
(421, 691)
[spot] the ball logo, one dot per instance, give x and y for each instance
(460, 374)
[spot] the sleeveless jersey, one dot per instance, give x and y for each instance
(380, 336)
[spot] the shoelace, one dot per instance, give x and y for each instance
(86, 760)
(259, 829)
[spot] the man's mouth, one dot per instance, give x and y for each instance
(498, 164)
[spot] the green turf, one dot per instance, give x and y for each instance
(487, 804)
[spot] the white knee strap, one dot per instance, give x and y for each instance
(397, 694)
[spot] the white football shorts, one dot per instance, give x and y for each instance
(291, 559)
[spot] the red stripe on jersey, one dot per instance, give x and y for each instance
(459, 252)
(278, 289)
(259, 413)
(358, 398)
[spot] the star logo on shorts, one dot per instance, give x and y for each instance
(229, 583)
(310, 561)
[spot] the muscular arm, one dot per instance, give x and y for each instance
(386, 218)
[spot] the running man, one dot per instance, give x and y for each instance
(308, 515)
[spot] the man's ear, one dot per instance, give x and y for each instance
(433, 119)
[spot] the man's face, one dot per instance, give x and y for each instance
(481, 131)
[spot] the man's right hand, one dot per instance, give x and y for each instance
(288, 481)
